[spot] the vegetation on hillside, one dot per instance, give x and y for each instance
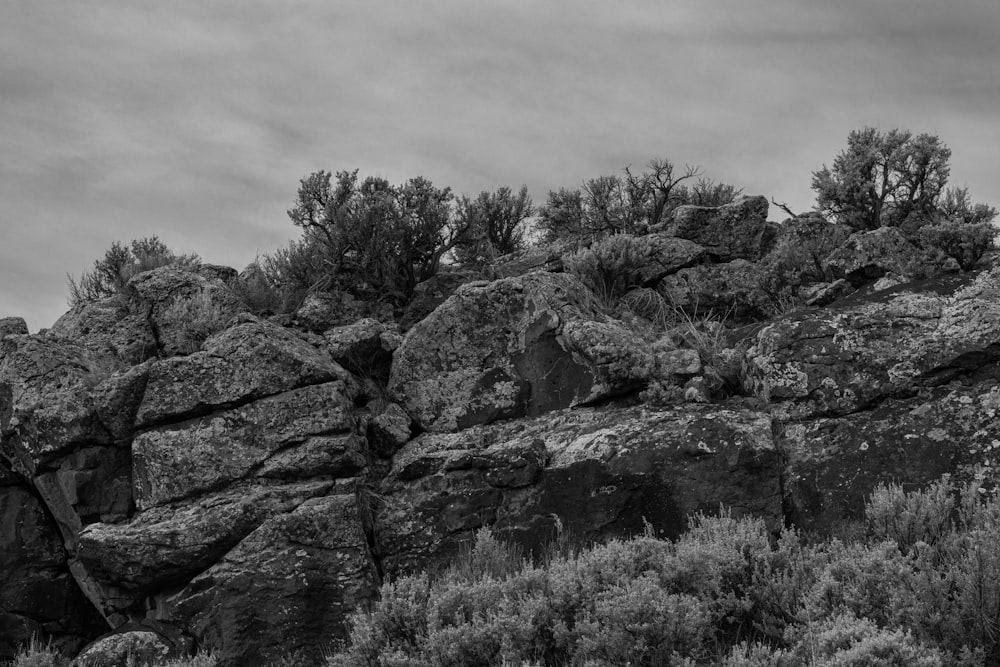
(377, 241)
(914, 584)
(120, 264)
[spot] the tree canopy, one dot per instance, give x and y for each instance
(883, 178)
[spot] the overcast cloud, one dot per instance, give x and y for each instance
(195, 120)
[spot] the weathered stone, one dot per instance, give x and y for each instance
(667, 254)
(389, 430)
(732, 290)
(145, 642)
(619, 361)
(598, 472)
(198, 291)
(835, 464)
(432, 292)
(117, 399)
(109, 327)
(364, 348)
(823, 294)
(247, 362)
(867, 256)
(90, 484)
(678, 362)
(287, 587)
(45, 406)
(736, 230)
(499, 350)
(536, 258)
(13, 326)
(868, 347)
(168, 545)
(37, 593)
(174, 462)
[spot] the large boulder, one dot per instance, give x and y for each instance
(251, 360)
(834, 464)
(736, 230)
(182, 302)
(109, 326)
(45, 403)
(38, 595)
(876, 345)
(867, 256)
(666, 254)
(288, 587)
(365, 347)
(432, 292)
(302, 432)
(510, 348)
(596, 473)
(167, 545)
(730, 291)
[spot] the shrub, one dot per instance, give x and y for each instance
(195, 319)
(610, 267)
(848, 641)
(965, 242)
(36, 654)
(119, 265)
(909, 518)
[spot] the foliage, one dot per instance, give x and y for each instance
(916, 587)
(493, 223)
(119, 265)
(882, 179)
(196, 318)
(706, 192)
(956, 205)
(369, 237)
(35, 654)
(626, 204)
(611, 266)
(965, 242)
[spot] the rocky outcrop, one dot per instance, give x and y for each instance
(511, 348)
(835, 463)
(877, 345)
(867, 256)
(739, 230)
(594, 473)
(732, 291)
(38, 595)
(242, 487)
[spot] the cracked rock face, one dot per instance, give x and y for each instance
(872, 346)
(247, 496)
(510, 348)
(597, 473)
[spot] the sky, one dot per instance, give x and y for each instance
(195, 120)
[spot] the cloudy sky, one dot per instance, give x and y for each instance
(195, 120)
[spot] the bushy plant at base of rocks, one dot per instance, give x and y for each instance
(915, 584)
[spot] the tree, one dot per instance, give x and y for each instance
(374, 237)
(119, 265)
(883, 179)
(494, 223)
(706, 192)
(615, 204)
(956, 206)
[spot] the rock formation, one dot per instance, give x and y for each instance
(161, 491)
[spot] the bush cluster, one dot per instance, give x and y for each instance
(916, 585)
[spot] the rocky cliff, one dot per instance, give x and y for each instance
(245, 492)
